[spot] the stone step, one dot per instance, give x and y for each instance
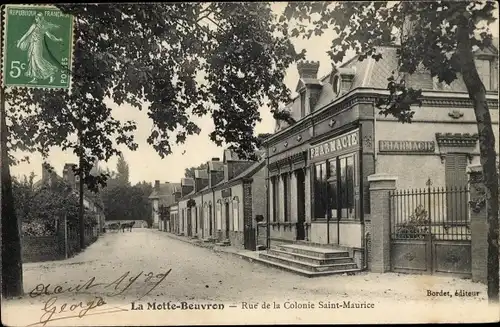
(312, 251)
(302, 272)
(310, 259)
(308, 266)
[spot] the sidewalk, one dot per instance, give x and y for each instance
(244, 254)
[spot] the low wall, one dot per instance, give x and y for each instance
(283, 231)
(350, 233)
(49, 248)
(41, 248)
(262, 234)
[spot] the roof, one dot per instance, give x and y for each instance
(87, 194)
(165, 189)
(369, 73)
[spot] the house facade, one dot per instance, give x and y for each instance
(319, 191)
(163, 196)
(224, 200)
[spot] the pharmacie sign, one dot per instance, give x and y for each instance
(406, 146)
(336, 144)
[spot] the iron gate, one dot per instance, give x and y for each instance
(430, 231)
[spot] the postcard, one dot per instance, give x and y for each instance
(249, 163)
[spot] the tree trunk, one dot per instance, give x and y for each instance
(12, 270)
(477, 94)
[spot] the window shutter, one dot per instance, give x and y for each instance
(456, 170)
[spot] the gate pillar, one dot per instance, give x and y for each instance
(380, 186)
(478, 225)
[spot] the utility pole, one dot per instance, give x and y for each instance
(80, 193)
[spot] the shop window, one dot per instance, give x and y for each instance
(333, 187)
(285, 196)
(320, 193)
(236, 214)
(335, 182)
(347, 183)
(275, 200)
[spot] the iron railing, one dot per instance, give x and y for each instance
(437, 213)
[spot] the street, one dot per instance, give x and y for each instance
(122, 262)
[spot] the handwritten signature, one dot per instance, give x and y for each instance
(52, 309)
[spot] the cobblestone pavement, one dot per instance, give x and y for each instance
(127, 265)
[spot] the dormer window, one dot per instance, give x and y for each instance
(484, 70)
(342, 80)
(336, 84)
(302, 104)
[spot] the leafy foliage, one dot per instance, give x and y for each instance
(284, 116)
(416, 226)
(177, 61)
(123, 201)
(122, 171)
(39, 207)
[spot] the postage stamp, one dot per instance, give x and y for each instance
(38, 47)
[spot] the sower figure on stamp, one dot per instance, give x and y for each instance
(32, 42)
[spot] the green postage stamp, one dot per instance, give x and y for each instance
(38, 47)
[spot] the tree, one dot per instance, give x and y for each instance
(143, 205)
(189, 172)
(38, 208)
(440, 36)
(150, 56)
(122, 171)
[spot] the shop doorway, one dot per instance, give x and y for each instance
(227, 219)
(301, 204)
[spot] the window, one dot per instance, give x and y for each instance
(275, 198)
(332, 187)
(303, 104)
(219, 218)
(335, 183)
(285, 196)
(484, 69)
(347, 182)
(236, 214)
(320, 205)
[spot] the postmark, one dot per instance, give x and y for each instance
(38, 47)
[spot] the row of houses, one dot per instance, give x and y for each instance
(221, 203)
(317, 179)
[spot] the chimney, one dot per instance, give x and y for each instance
(45, 173)
(157, 185)
(308, 69)
(233, 165)
(215, 172)
(200, 180)
(309, 86)
(69, 174)
(187, 186)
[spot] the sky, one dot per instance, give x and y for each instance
(146, 165)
